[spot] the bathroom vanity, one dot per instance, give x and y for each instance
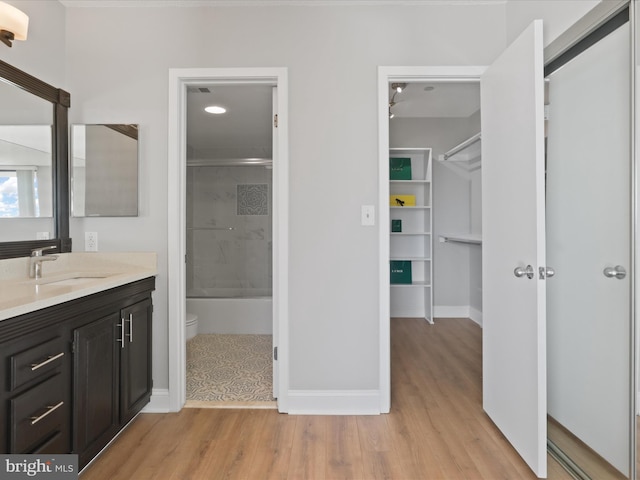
(75, 347)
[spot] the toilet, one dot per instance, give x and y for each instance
(192, 325)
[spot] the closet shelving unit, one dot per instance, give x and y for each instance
(467, 157)
(414, 242)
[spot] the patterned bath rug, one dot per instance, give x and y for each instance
(229, 368)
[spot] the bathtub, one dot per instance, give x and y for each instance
(225, 310)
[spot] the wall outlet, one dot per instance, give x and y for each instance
(42, 235)
(91, 241)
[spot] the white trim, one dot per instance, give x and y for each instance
(179, 79)
(334, 402)
(475, 315)
(387, 75)
(159, 401)
(465, 311)
(444, 311)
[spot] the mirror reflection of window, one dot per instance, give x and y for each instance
(19, 192)
(25, 171)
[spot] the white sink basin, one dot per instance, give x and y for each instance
(71, 279)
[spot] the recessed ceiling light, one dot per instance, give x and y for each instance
(429, 88)
(215, 109)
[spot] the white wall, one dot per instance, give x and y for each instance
(117, 65)
(332, 54)
(558, 15)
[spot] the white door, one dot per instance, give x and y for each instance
(513, 225)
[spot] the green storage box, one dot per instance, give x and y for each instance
(401, 272)
(396, 225)
(400, 169)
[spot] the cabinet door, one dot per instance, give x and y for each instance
(135, 376)
(96, 392)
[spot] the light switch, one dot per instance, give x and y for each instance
(368, 215)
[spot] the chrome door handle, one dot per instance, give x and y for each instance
(615, 272)
(546, 272)
(522, 271)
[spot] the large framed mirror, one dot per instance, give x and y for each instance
(34, 171)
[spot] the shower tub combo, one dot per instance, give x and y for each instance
(232, 310)
(229, 247)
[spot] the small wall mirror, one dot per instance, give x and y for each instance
(104, 170)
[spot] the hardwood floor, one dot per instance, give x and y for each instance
(436, 429)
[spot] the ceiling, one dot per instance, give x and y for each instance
(245, 130)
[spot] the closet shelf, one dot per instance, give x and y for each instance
(470, 238)
(414, 284)
(411, 259)
(412, 207)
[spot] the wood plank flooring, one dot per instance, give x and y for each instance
(436, 429)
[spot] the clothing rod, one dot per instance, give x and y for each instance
(462, 146)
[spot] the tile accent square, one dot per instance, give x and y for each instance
(253, 199)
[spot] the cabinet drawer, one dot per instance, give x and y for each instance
(57, 443)
(36, 361)
(38, 414)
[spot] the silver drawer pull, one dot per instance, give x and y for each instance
(50, 409)
(35, 366)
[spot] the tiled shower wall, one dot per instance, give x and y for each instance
(229, 231)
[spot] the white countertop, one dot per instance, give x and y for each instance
(71, 276)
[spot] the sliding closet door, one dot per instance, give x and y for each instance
(588, 244)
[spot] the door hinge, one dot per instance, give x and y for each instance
(275, 120)
(275, 353)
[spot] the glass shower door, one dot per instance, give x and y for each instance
(589, 220)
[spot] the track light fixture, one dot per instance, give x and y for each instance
(397, 88)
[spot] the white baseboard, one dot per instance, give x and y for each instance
(333, 402)
(159, 401)
(475, 315)
(444, 311)
(465, 311)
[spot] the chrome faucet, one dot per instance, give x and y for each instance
(37, 257)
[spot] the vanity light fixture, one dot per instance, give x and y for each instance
(215, 109)
(398, 87)
(14, 24)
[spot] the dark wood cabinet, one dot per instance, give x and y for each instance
(135, 366)
(74, 374)
(112, 376)
(35, 396)
(96, 386)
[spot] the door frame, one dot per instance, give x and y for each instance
(386, 75)
(179, 80)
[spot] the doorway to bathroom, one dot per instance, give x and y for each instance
(229, 245)
(228, 258)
